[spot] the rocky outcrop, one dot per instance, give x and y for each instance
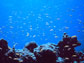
(63, 52)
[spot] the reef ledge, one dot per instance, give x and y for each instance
(63, 52)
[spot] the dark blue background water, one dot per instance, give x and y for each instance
(41, 21)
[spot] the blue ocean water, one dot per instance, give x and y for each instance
(41, 21)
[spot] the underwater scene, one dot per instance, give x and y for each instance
(41, 31)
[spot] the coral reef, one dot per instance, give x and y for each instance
(63, 52)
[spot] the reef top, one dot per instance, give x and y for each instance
(63, 52)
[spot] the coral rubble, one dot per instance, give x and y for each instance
(63, 52)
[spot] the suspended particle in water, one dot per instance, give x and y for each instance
(78, 30)
(10, 16)
(0, 28)
(46, 39)
(41, 39)
(24, 23)
(11, 27)
(73, 10)
(20, 27)
(51, 30)
(30, 28)
(51, 21)
(82, 30)
(43, 34)
(47, 23)
(34, 36)
(56, 36)
(24, 18)
(60, 30)
(39, 17)
(1, 32)
(66, 27)
(49, 26)
(80, 15)
(3, 26)
(70, 15)
(54, 26)
(47, 16)
(58, 18)
(27, 34)
(44, 6)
